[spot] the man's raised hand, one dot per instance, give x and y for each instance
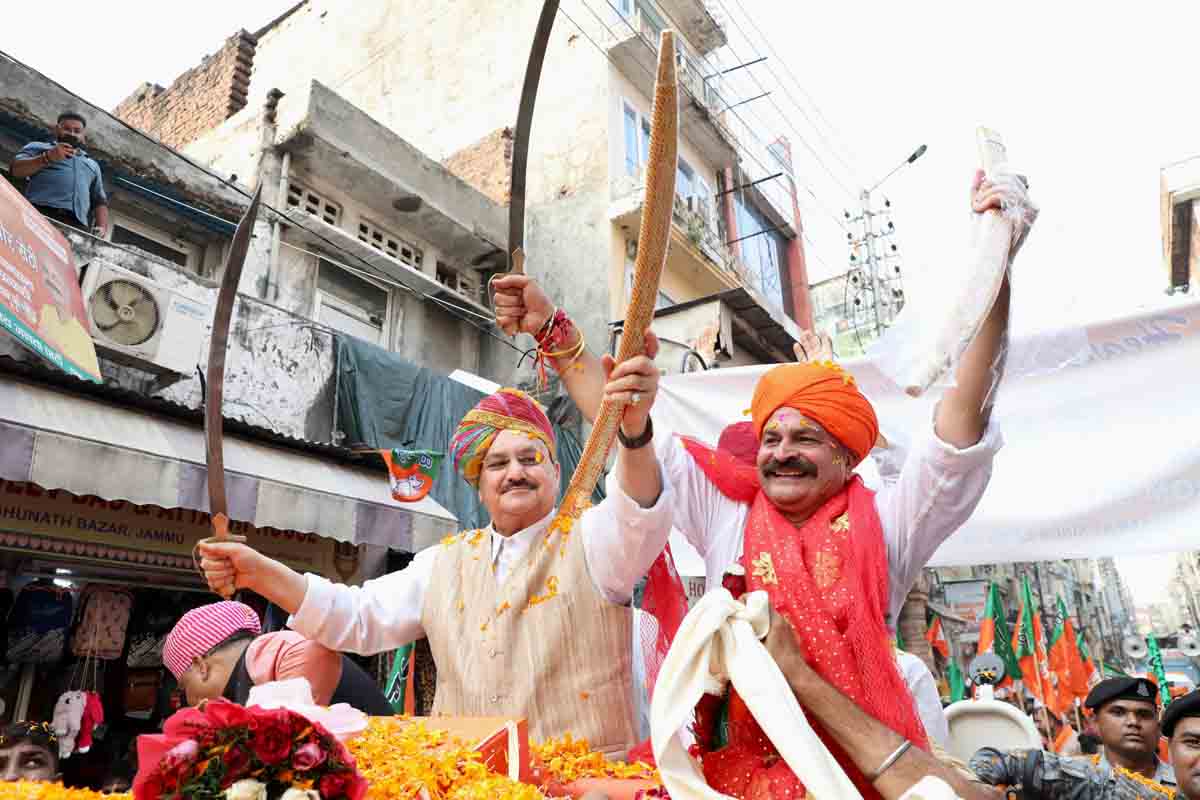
(634, 380)
(521, 305)
(813, 347)
(229, 566)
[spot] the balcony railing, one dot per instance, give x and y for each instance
(691, 70)
(696, 217)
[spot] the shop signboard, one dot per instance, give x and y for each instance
(40, 301)
(967, 599)
(29, 509)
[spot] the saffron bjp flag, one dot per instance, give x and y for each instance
(1066, 662)
(1029, 646)
(937, 637)
(1090, 671)
(994, 636)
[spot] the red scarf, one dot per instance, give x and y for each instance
(849, 647)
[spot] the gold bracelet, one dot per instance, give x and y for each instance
(578, 352)
(574, 350)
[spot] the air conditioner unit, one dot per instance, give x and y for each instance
(141, 323)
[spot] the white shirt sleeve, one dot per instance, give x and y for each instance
(701, 511)
(380, 615)
(622, 539)
(925, 693)
(936, 492)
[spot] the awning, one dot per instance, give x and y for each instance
(71, 442)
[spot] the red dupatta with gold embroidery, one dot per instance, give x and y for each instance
(829, 578)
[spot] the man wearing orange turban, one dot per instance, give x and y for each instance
(836, 558)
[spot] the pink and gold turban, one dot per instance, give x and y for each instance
(506, 410)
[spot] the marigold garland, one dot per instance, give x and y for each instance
(399, 757)
(569, 759)
(1149, 783)
(36, 790)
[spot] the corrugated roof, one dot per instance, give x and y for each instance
(38, 372)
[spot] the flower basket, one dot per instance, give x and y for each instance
(227, 752)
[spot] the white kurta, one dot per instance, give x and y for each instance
(935, 492)
(621, 541)
(924, 690)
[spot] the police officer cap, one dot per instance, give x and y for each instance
(1186, 706)
(1121, 689)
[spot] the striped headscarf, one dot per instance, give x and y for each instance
(506, 410)
(201, 629)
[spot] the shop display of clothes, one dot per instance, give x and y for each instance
(38, 624)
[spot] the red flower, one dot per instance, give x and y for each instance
(308, 756)
(299, 724)
(190, 723)
(221, 713)
(236, 761)
(335, 785)
(272, 739)
(358, 787)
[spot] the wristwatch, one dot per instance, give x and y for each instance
(640, 441)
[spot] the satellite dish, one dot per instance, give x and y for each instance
(1134, 647)
(1190, 645)
(986, 668)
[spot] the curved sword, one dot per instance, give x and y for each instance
(520, 157)
(218, 505)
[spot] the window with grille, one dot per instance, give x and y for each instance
(460, 282)
(350, 304)
(390, 244)
(307, 200)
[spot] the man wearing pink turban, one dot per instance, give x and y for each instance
(529, 617)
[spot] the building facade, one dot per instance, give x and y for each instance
(353, 93)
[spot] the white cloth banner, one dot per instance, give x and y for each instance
(1102, 440)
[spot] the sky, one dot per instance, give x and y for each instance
(1092, 99)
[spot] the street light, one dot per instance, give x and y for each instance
(920, 151)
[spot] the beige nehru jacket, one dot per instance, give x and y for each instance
(543, 644)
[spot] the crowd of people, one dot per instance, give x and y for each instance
(531, 616)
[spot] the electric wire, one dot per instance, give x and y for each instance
(244, 193)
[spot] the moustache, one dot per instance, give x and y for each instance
(806, 468)
(518, 484)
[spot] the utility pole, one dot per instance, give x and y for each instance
(874, 292)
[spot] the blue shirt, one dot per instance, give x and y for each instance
(73, 184)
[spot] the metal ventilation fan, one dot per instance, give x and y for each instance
(125, 312)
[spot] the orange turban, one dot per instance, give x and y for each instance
(824, 393)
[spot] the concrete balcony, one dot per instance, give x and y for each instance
(340, 145)
(700, 105)
(697, 23)
(733, 328)
(694, 235)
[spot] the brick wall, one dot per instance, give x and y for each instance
(199, 99)
(487, 165)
